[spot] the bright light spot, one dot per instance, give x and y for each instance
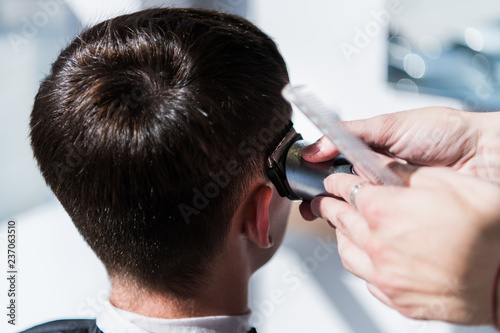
(414, 65)
(407, 85)
(431, 47)
(399, 47)
(474, 39)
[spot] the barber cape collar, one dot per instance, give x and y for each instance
(114, 320)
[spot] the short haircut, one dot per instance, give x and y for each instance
(150, 128)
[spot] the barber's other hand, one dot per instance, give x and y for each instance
(434, 136)
(429, 250)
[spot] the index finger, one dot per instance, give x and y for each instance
(370, 201)
(342, 184)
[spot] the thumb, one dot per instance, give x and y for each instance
(376, 132)
(320, 151)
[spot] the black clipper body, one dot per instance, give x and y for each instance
(296, 178)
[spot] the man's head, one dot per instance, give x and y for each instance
(151, 129)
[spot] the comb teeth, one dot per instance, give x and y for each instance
(306, 100)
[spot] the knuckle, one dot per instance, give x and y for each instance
(391, 290)
(386, 120)
(410, 312)
(417, 312)
(340, 218)
(375, 249)
(390, 287)
(345, 262)
(343, 248)
(374, 213)
(342, 244)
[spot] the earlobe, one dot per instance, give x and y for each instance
(257, 221)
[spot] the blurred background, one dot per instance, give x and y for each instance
(366, 56)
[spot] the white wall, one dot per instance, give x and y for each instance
(310, 35)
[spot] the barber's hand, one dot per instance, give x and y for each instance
(429, 250)
(434, 136)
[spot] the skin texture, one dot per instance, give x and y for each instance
(430, 250)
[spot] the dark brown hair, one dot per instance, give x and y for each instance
(149, 129)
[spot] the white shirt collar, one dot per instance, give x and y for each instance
(114, 320)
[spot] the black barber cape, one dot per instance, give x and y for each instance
(66, 326)
(73, 326)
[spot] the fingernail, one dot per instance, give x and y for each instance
(315, 207)
(329, 182)
(312, 149)
(326, 184)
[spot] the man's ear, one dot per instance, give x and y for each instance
(256, 220)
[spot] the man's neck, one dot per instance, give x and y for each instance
(224, 293)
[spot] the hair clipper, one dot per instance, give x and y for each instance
(296, 178)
